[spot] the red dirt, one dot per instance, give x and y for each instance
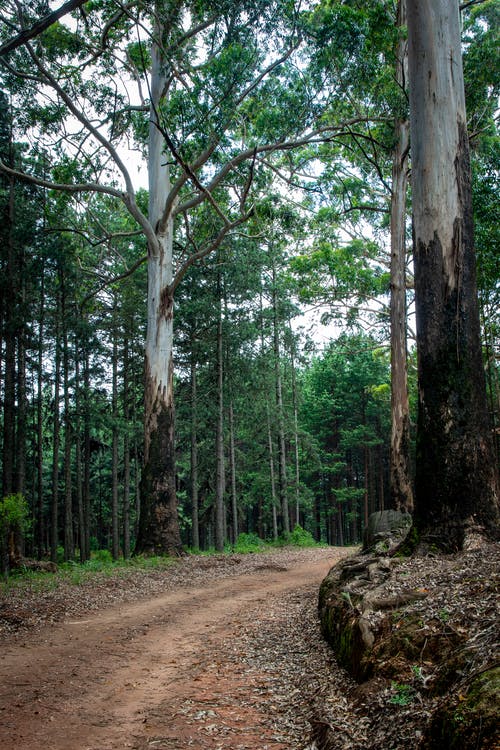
(150, 674)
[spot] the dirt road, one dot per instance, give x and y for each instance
(166, 672)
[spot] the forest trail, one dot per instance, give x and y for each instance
(163, 672)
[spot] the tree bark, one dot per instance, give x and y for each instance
(21, 407)
(400, 469)
(9, 430)
(158, 531)
(126, 450)
(296, 431)
(40, 535)
(456, 475)
(115, 535)
(234, 496)
(220, 510)
(78, 456)
(195, 524)
(85, 534)
(69, 548)
(271, 474)
(283, 488)
(54, 506)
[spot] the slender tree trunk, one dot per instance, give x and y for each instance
(158, 531)
(400, 469)
(234, 497)
(340, 524)
(78, 457)
(40, 531)
(9, 414)
(219, 443)
(271, 473)
(195, 527)
(366, 461)
(115, 534)
(21, 413)
(18, 550)
(381, 473)
(456, 475)
(317, 518)
(126, 452)
(492, 377)
(85, 536)
(69, 548)
(295, 433)
(54, 506)
(283, 488)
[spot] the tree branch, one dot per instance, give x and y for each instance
(320, 135)
(192, 176)
(67, 99)
(113, 280)
(205, 155)
(464, 6)
(79, 187)
(39, 26)
(206, 251)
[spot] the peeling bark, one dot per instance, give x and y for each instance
(158, 525)
(456, 475)
(158, 531)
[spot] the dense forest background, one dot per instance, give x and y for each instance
(279, 428)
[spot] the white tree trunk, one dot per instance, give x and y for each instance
(158, 526)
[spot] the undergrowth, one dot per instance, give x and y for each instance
(102, 565)
(251, 543)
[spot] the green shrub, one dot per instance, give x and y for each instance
(402, 695)
(102, 555)
(299, 537)
(248, 543)
(13, 513)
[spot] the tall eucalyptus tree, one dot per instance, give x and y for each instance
(456, 477)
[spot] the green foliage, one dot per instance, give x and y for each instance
(299, 537)
(14, 513)
(247, 543)
(402, 695)
(444, 615)
(322, 251)
(140, 56)
(102, 556)
(345, 406)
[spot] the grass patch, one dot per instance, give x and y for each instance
(251, 543)
(101, 565)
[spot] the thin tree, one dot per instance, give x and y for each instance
(220, 508)
(400, 469)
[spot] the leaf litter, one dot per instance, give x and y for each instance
(278, 685)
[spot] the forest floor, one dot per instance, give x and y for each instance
(211, 653)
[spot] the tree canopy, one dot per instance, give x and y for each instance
(188, 184)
